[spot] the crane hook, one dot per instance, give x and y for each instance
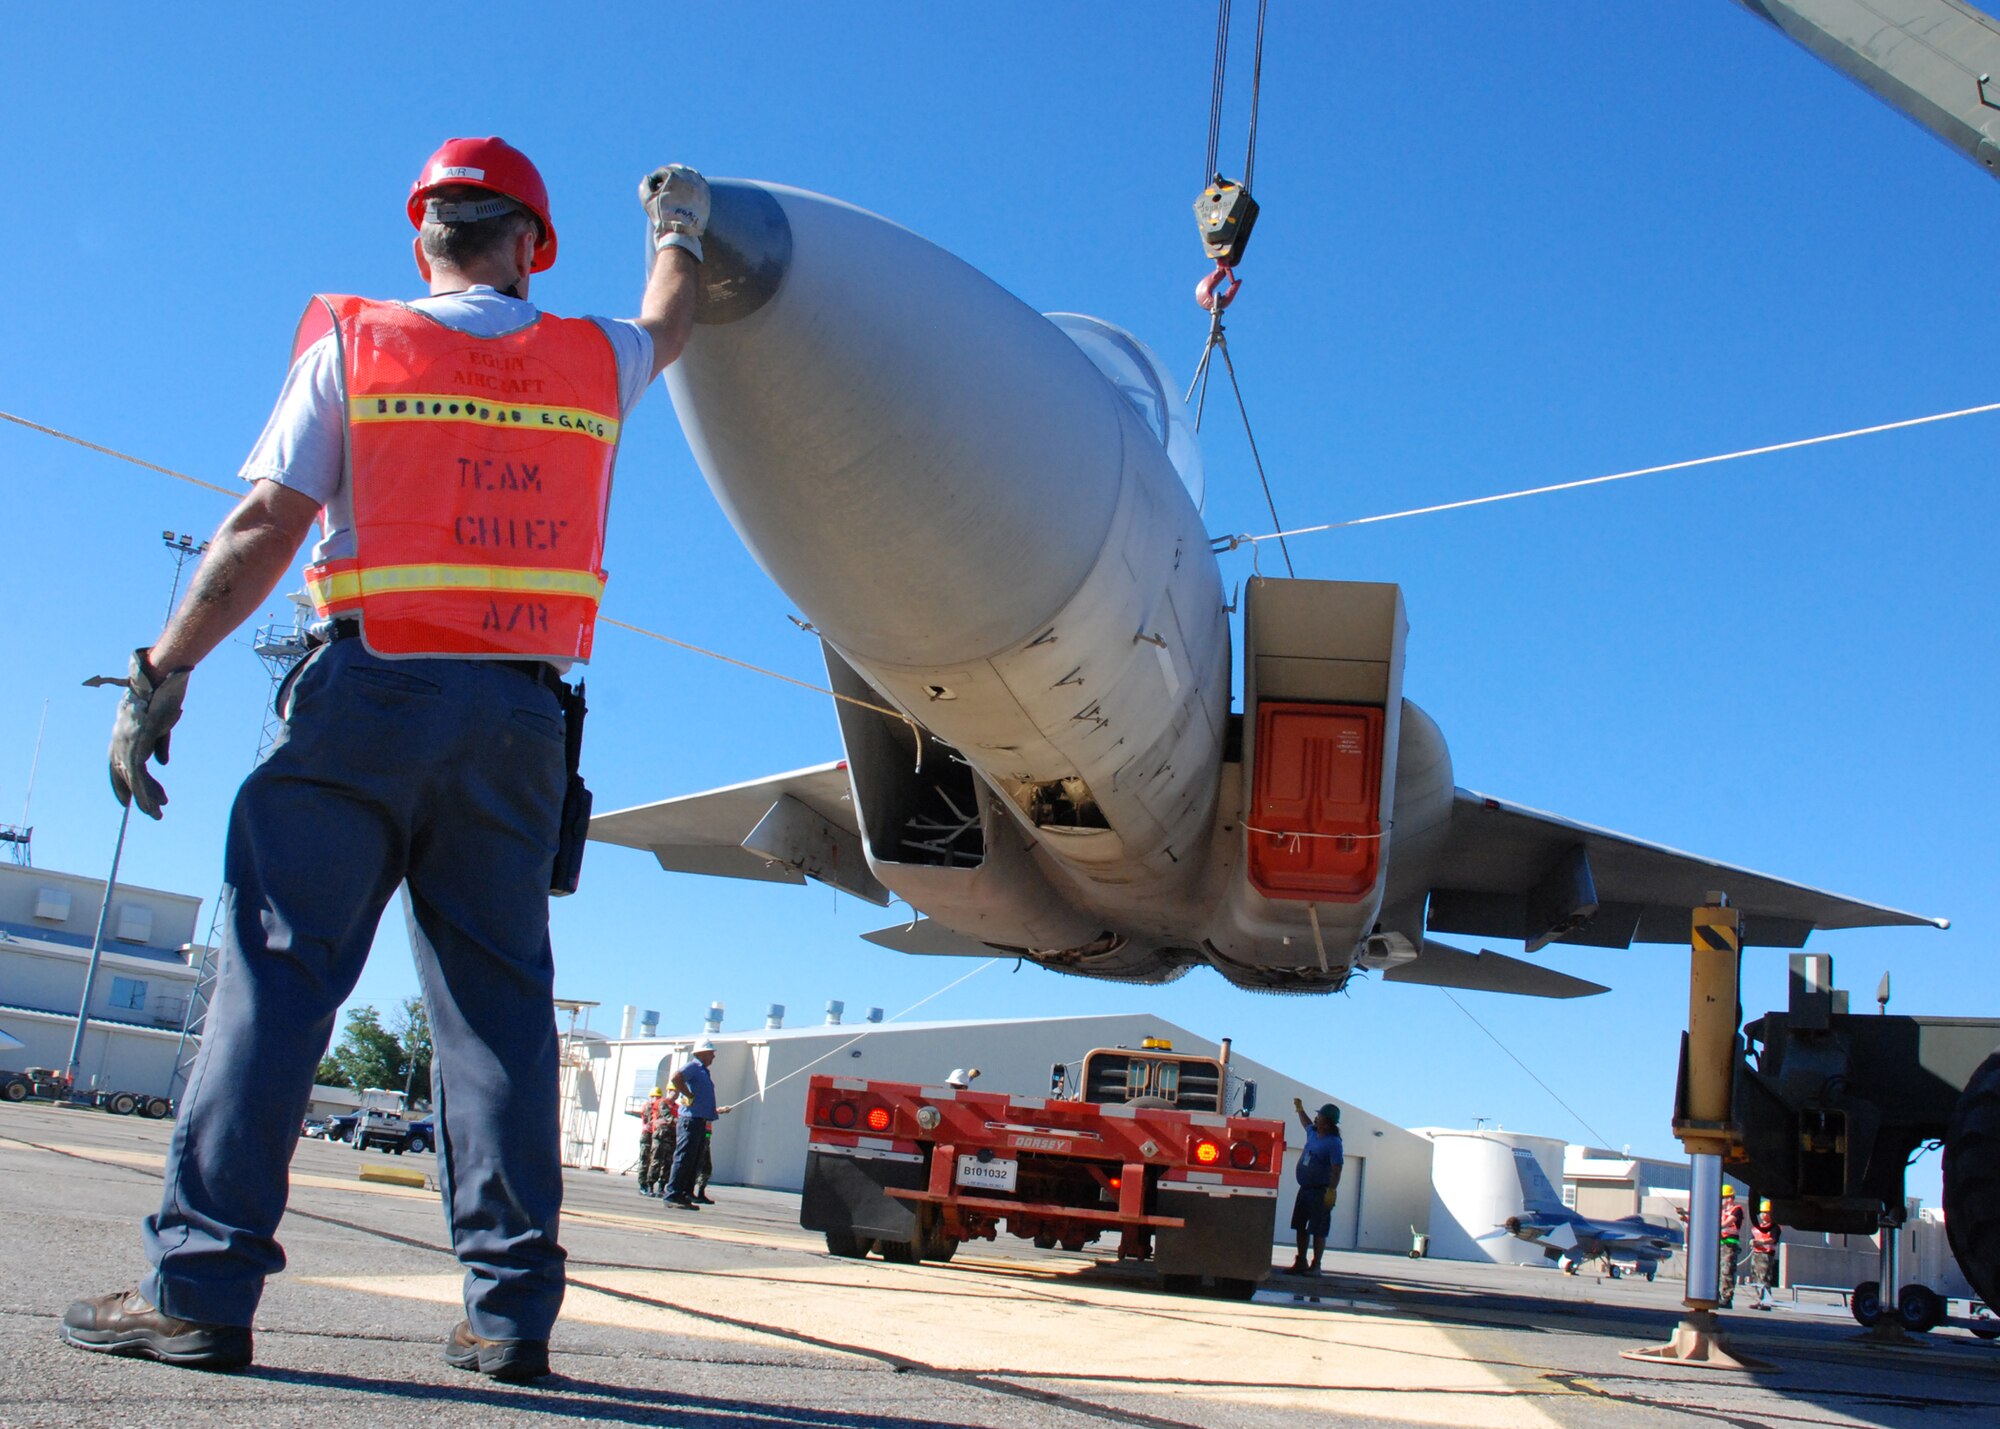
(1212, 293)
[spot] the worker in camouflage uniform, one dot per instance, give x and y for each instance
(649, 1135)
(665, 1128)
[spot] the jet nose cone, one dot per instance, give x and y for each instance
(924, 464)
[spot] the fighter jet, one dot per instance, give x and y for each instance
(991, 518)
(1574, 1240)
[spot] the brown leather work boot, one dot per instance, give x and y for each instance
(514, 1361)
(122, 1323)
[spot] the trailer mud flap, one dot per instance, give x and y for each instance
(846, 1194)
(1228, 1236)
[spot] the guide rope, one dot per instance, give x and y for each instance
(872, 1028)
(1602, 1139)
(122, 456)
(916, 729)
(1230, 543)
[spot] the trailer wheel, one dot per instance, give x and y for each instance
(932, 1243)
(1865, 1304)
(157, 1109)
(123, 1104)
(1985, 1324)
(16, 1090)
(847, 1245)
(897, 1252)
(1920, 1309)
(1972, 1180)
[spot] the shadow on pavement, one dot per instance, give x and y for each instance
(562, 1397)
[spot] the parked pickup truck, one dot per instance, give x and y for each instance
(380, 1123)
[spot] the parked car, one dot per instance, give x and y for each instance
(380, 1123)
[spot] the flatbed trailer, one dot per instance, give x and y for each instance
(912, 1171)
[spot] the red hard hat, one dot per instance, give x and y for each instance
(497, 166)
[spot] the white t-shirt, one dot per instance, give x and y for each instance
(303, 446)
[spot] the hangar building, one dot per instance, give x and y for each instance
(144, 980)
(1385, 1191)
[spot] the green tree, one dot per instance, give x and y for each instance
(412, 1030)
(331, 1073)
(369, 1054)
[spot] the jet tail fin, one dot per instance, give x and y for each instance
(1538, 1197)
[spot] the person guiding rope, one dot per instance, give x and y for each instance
(458, 449)
(1321, 1161)
(691, 1129)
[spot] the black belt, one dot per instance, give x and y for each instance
(540, 671)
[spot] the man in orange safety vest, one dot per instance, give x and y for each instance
(457, 449)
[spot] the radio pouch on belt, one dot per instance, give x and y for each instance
(576, 797)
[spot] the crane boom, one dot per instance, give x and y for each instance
(1932, 60)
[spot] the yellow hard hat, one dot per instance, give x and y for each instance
(1764, 1206)
(656, 1091)
(1728, 1190)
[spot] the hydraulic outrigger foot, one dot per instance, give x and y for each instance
(1699, 1343)
(1701, 1122)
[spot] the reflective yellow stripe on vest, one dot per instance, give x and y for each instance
(430, 407)
(349, 585)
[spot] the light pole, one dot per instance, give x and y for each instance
(183, 549)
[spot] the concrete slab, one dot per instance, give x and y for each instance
(735, 1316)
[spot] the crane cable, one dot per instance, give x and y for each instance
(1216, 291)
(1215, 84)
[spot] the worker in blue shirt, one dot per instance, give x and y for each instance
(698, 1113)
(1321, 1161)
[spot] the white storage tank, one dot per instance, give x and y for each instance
(1474, 1189)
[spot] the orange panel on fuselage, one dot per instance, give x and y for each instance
(1315, 806)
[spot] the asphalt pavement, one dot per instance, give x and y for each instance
(734, 1316)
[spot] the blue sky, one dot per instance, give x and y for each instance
(1501, 246)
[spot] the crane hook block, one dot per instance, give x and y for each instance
(1225, 213)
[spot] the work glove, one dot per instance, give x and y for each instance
(676, 202)
(146, 718)
(1327, 1199)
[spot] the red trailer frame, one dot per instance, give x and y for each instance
(914, 1170)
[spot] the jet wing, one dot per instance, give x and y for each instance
(1518, 873)
(775, 830)
(930, 937)
(1441, 965)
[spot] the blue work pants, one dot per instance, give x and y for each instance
(445, 777)
(690, 1141)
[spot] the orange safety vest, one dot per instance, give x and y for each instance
(480, 473)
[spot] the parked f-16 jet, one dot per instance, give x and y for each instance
(1574, 1239)
(991, 519)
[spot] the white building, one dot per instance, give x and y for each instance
(1610, 1185)
(1384, 1193)
(145, 977)
(1475, 1188)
